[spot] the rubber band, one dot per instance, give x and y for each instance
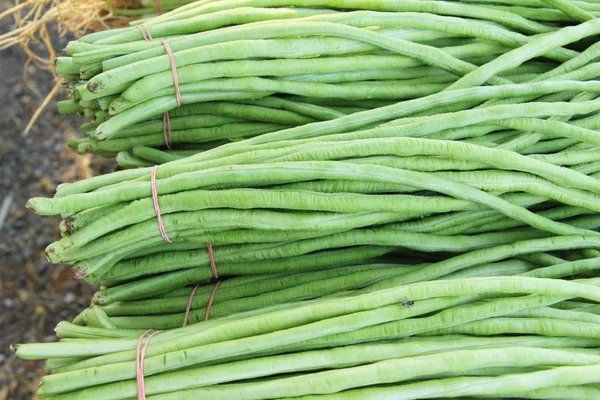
(145, 31)
(213, 267)
(211, 258)
(189, 305)
(211, 300)
(161, 225)
(140, 354)
(167, 130)
(166, 118)
(173, 71)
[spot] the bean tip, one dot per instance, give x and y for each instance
(52, 254)
(92, 86)
(30, 205)
(48, 254)
(40, 206)
(97, 299)
(78, 272)
(67, 223)
(66, 228)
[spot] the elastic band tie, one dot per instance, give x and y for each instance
(167, 130)
(189, 305)
(140, 354)
(211, 258)
(173, 70)
(211, 300)
(213, 267)
(145, 31)
(161, 225)
(166, 117)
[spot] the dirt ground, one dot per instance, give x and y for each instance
(34, 295)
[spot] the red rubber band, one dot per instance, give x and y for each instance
(173, 71)
(167, 129)
(211, 300)
(140, 354)
(213, 267)
(161, 225)
(211, 258)
(166, 117)
(189, 306)
(145, 31)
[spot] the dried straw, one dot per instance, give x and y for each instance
(32, 18)
(77, 17)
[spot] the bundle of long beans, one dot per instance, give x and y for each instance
(388, 252)
(247, 293)
(314, 189)
(454, 337)
(298, 62)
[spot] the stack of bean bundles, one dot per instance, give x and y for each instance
(335, 200)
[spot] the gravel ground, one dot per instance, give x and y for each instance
(34, 295)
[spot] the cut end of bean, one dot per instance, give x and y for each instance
(78, 272)
(54, 252)
(49, 254)
(97, 299)
(66, 226)
(14, 347)
(31, 205)
(40, 206)
(99, 134)
(92, 86)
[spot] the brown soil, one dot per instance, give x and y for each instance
(34, 295)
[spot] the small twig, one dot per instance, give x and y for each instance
(42, 107)
(5, 208)
(97, 15)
